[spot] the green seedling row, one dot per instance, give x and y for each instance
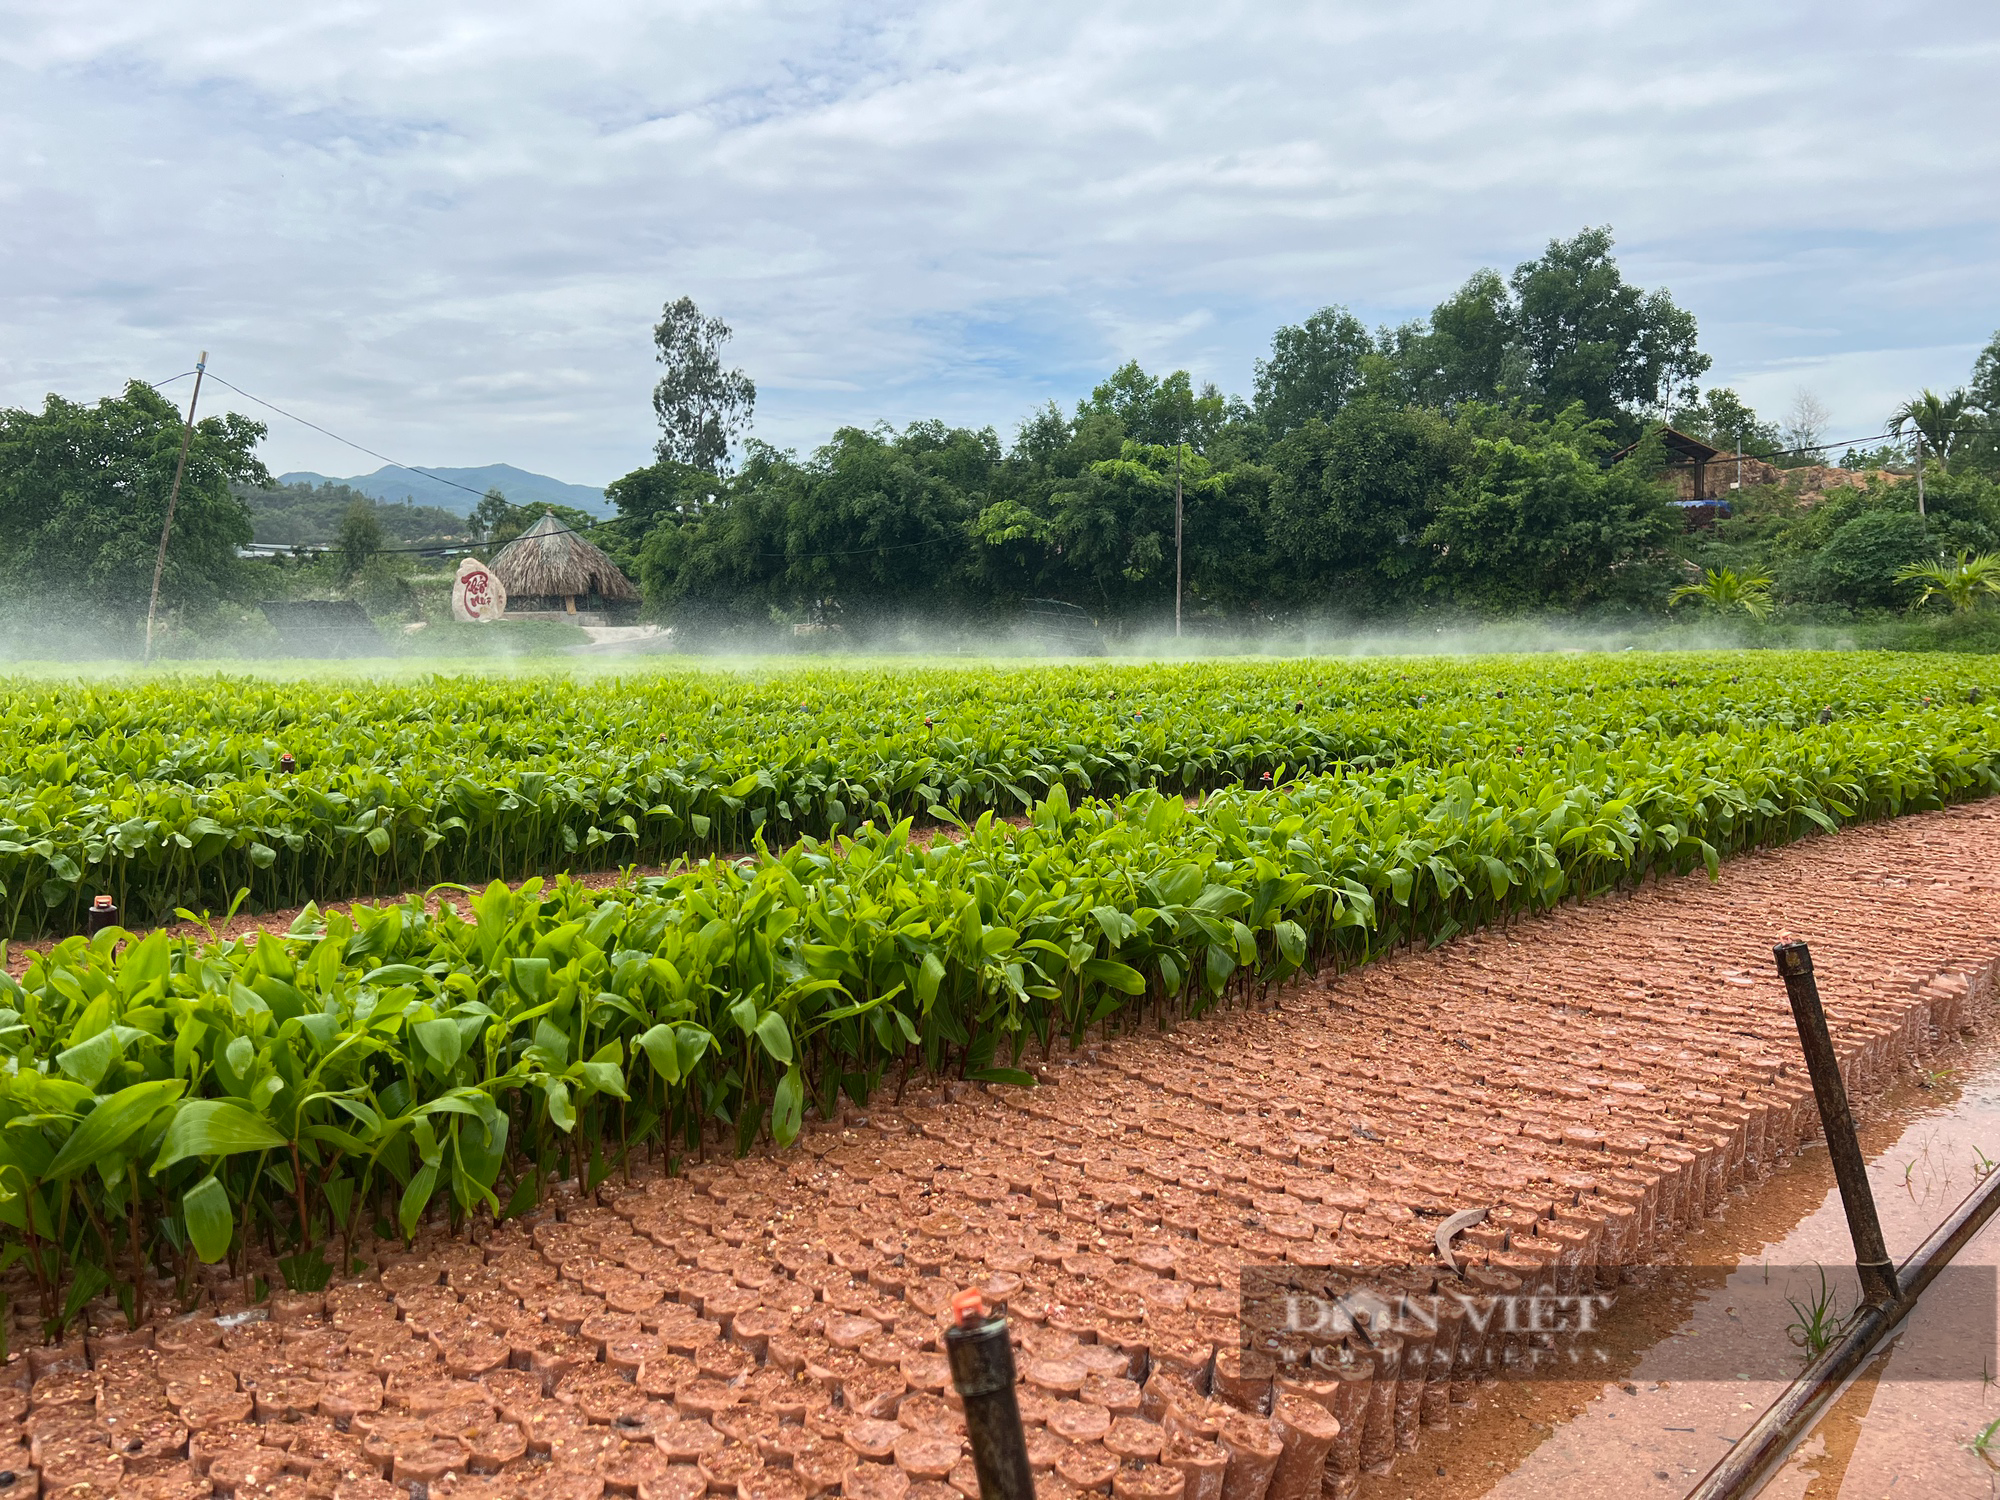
(168, 793)
(280, 1099)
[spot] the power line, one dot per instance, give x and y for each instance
(357, 447)
(1874, 437)
(393, 463)
(334, 544)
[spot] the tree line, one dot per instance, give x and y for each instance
(1500, 455)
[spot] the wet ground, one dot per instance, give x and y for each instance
(1703, 1349)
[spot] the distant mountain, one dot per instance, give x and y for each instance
(518, 485)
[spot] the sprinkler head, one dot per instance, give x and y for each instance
(286, 764)
(102, 914)
(968, 1308)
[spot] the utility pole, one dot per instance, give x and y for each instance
(173, 496)
(1177, 539)
(1920, 475)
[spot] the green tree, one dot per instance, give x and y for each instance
(702, 407)
(1314, 369)
(83, 493)
(1945, 422)
(877, 524)
(360, 539)
(1985, 387)
(1465, 351)
(1351, 498)
(1163, 410)
(873, 524)
(647, 496)
(1721, 418)
(1961, 583)
(1537, 522)
(1724, 591)
(1860, 562)
(1592, 337)
(498, 520)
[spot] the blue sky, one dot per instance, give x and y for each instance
(445, 230)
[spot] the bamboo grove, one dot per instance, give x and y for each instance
(269, 1103)
(174, 794)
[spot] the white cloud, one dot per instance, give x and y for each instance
(445, 230)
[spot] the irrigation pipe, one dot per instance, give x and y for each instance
(1745, 1468)
(1749, 1464)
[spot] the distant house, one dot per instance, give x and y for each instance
(551, 573)
(1703, 473)
(1703, 476)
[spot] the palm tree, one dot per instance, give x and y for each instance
(1944, 422)
(1724, 590)
(1959, 582)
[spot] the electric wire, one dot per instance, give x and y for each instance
(357, 447)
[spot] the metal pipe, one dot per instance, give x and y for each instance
(1889, 1292)
(1751, 1462)
(982, 1371)
(1850, 1169)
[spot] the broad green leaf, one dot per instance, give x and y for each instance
(214, 1127)
(416, 1198)
(775, 1035)
(114, 1122)
(787, 1107)
(1118, 976)
(658, 1042)
(211, 1226)
(561, 1114)
(87, 1062)
(442, 1040)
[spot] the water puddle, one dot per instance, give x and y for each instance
(1910, 1425)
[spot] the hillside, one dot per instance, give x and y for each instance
(518, 485)
(295, 514)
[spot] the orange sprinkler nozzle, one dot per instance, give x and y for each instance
(968, 1308)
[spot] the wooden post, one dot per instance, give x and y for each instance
(1177, 540)
(173, 497)
(1872, 1265)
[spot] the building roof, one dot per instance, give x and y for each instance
(1685, 449)
(550, 560)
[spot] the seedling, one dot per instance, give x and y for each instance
(1983, 1442)
(1819, 1322)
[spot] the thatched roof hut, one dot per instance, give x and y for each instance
(550, 568)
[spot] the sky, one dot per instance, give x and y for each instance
(445, 231)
